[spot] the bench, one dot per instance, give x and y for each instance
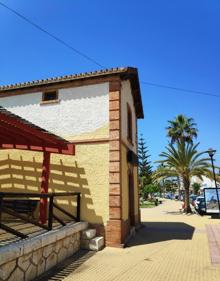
(21, 206)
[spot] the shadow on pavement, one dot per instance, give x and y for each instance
(153, 232)
(214, 216)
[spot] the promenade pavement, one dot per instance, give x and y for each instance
(169, 247)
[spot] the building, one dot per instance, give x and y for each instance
(205, 182)
(98, 113)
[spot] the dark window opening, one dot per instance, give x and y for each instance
(129, 114)
(50, 96)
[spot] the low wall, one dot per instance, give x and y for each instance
(27, 259)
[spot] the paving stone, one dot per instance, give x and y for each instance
(32, 244)
(78, 236)
(48, 250)
(10, 252)
(59, 245)
(62, 254)
(49, 237)
(73, 238)
(17, 275)
(37, 255)
(6, 269)
(51, 261)
(25, 261)
(41, 266)
(31, 273)
(213, 232)
(66, 242)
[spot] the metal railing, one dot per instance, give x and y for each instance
(10, 198)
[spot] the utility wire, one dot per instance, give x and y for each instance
(180, 89)
(61, 41)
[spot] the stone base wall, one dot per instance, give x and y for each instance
(27, 259)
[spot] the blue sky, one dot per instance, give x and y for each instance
(174, 43)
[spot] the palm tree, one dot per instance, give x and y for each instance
(182, 129)
(183, 161)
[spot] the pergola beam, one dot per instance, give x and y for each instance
(16, 133)
(68, 149)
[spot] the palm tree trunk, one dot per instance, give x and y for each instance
(186, 184)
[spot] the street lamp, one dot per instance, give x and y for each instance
(162, 165)
(219, 177)
(211, 153)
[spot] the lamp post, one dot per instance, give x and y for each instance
(162, 165)
(211, 153)
(219, 173)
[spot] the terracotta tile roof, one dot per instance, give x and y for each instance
(64, 78)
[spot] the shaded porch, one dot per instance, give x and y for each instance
(18, 133)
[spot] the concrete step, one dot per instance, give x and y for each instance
(95, 244)
(88, 234)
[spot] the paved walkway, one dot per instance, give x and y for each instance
(213, 232)
(170, 247)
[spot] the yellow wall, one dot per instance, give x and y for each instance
(100, 133)
(127, 99)
(21, 171)
(87, 172)
(125, 194)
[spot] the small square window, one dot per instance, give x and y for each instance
(50, 96)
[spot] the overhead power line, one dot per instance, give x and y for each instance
(85, 56)
(61, 41)
(180, 89)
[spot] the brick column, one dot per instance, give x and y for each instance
(114, 225)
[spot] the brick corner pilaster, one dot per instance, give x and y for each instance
(114, 225)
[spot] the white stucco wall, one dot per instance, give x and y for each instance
(127, 98)
(80, 110)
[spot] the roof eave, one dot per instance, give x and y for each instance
(130, 73)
